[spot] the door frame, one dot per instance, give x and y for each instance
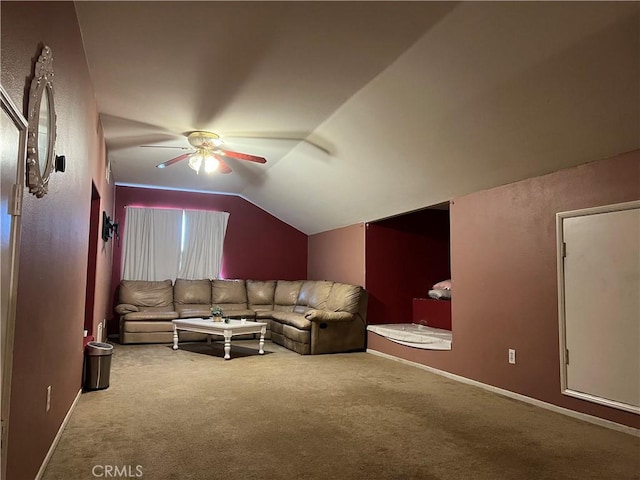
(15, 210)
(560, 249)
(92, 258)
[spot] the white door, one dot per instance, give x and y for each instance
(13, 128)
(601, 272)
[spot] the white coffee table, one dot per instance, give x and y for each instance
(227, 330)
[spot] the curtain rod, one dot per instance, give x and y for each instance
(176, 208)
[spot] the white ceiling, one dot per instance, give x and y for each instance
(402, 105)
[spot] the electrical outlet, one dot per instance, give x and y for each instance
(512, 356)
(48, 397)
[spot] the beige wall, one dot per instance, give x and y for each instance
(337, 255)
(503, 267)
(53, 260)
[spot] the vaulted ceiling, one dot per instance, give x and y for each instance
(367, 109)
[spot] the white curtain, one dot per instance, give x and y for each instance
(203, 241)
(151, 244)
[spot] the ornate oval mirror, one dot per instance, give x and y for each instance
(41, 138)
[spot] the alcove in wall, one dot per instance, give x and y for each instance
(405, 256)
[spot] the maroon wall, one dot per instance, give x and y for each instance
(405, 256)
(55, 232)
(433, 313)
(257, 245)
(505, 291)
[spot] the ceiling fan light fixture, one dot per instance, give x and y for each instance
(203, 139)
(209, 151)
(210, 164)
(195, 161)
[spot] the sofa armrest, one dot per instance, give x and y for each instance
(125, 308)
(325, 316)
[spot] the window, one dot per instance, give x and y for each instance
(167, 243)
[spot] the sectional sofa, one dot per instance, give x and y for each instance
(306, 316)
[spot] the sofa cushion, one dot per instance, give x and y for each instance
(294, 319)
(264, 314)
(283, 308)
(232, 292)
(192, 292)
(142, 293)
(194, 311)
(265, 309)
(150, 315)
(313, 294)
(260, 294)
(124, 308)
(286, 294)
(344, 298)
(237, 312)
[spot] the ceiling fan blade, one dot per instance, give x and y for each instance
(242, 156)
(222, 167)
(168, 163)
(288, 141)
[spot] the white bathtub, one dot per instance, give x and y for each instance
(414, 335)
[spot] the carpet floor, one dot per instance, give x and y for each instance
(188, 414)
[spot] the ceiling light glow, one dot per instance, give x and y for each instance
(210, 164)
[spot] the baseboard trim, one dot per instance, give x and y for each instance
(517, 396)
(54, 444)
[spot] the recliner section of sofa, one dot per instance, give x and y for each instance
(231, 295)
(146, 309)
(192, 298)
(306, 316)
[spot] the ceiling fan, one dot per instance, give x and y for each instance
(208, 153)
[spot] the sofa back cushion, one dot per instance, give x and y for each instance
(286, 295)
(344, 298)
(260, 294)
(143, 293)
(192, 292)
(229, 293)
(313, 294)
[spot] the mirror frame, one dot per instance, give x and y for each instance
(42, 84)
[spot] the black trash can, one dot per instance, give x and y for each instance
(97, 365)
